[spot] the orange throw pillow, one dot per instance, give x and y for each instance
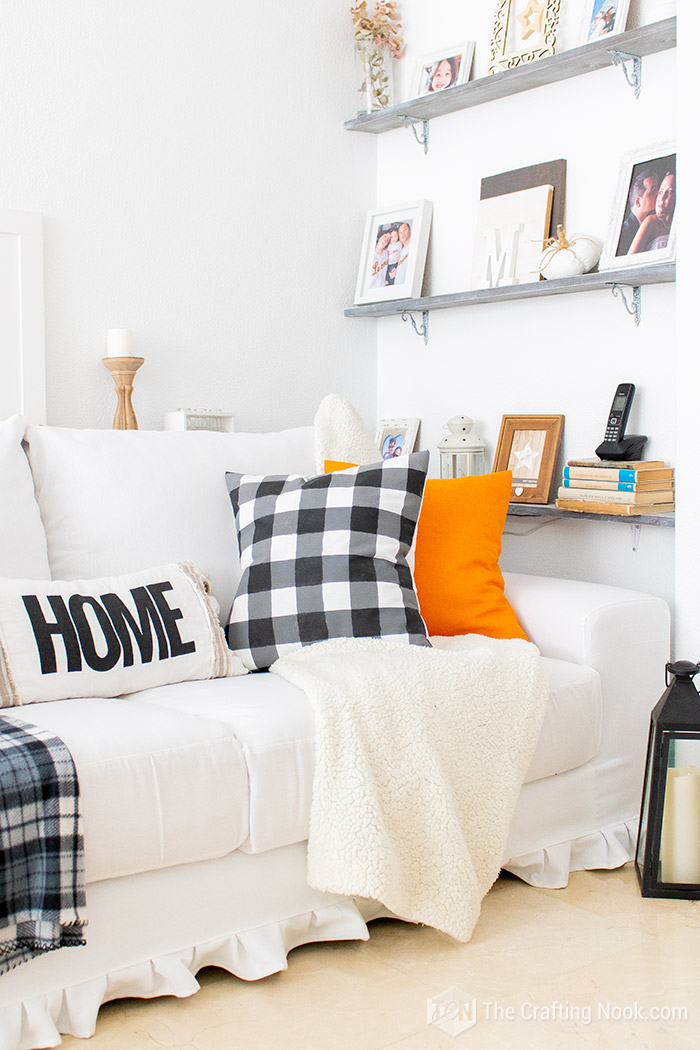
(458, 543)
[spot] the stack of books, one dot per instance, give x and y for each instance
(598, 486)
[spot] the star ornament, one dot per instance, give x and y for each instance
(526, 458)
(532, 18)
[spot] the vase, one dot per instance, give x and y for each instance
(376, 89)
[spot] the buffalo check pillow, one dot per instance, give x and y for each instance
(65, 639)
(325, 557)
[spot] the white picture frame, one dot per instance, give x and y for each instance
(603, 19)
(429, 77)
(23, 387)
(395, 239)
(510, 234)
(397, 437)
(637, 236)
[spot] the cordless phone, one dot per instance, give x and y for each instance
(617, 445)
(619, 412)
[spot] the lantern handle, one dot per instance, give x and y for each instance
(682, 669)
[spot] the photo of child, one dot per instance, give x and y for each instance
(441, 74)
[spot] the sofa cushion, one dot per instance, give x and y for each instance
(573, 720)
(158, 787)
(22, 537)
(325, 558)
(274, 723)
(117, 634)
(115, 501)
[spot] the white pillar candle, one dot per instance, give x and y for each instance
(120, 342)
(680, 834)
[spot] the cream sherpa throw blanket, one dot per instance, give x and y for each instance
(340, 434)
(420, 755)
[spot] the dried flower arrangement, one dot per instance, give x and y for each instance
(374, 35)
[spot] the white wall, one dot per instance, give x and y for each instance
(559, 355)
(194, 176)
(688, 368)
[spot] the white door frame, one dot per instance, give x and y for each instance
(22, 370)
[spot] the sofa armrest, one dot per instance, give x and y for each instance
(622, 634)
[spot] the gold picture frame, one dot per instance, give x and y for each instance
(523, 31)
(528, 446)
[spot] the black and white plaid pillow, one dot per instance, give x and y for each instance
(325, 558)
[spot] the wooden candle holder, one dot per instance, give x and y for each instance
(123, 370)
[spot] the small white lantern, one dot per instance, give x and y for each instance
(461, 452)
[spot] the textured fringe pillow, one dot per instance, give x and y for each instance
(60, 640)
(325, 558)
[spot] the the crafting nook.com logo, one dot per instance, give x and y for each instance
(452, 1011)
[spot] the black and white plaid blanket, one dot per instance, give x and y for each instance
(42, 876)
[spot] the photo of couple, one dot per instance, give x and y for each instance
(391, 251)
(650, 207)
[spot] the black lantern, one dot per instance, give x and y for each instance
(668, 846)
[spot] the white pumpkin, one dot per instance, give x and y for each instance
(569, 258)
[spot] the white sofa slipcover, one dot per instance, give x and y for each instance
(196, 796)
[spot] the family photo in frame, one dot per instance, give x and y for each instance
(397, 437)
(394, 250)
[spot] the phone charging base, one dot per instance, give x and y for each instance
(628, 447)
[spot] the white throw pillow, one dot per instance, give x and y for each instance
(22, 536)
(114, 501)
(61, 639)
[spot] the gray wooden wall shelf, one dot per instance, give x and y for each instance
(548, 510)
(632, 276)
(635, 43)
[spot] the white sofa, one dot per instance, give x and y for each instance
(196, 796)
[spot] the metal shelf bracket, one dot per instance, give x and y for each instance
(635, 310)
(410, 122)
(633, 78)
(636, 535)
(423, 330)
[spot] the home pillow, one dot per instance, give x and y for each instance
(458, 581)
(61, 639)
(325, 557)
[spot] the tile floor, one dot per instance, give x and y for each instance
(547, 968)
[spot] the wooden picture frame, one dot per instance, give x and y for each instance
(459, 59)
(397, 437)
(523, 31)
(645, 197)
(394, 250)
(528, 445)
(550, 173)
(603, 18)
